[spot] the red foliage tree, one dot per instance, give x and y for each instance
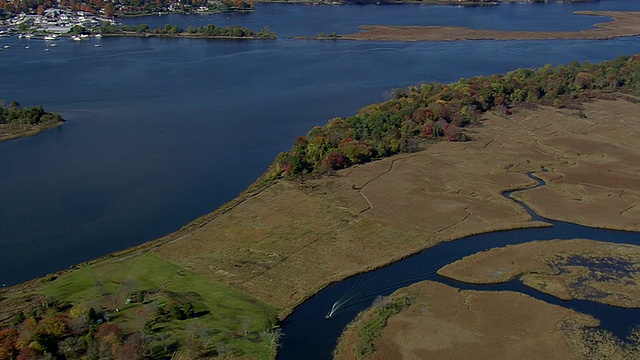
(8, 343)
(427, 131)
(108, 330)
(334, 160)
(452, 132)
(109, 10)
(27, 353)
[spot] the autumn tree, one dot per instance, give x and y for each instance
(8, 343)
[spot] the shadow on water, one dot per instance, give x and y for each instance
(309, 334)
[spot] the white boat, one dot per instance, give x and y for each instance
(83, 36)
(98, 35)
(76, 38)
(51, 37)
(52, 45)
(6, 46)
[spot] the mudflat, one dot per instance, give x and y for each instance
(623, 24)
(286, 242)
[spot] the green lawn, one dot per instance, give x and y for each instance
(223, 319)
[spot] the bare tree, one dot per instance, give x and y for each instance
(273, 335)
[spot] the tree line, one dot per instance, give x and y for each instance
(208, 31)
(434, 111)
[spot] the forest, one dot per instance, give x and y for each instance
(433, 112)
(15, 120)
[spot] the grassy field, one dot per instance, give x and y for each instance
(141, 293)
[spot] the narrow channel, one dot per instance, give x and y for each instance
(308, 335)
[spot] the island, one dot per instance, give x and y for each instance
(623, 24)
(427, 166)
(209, 31)
(16, 122)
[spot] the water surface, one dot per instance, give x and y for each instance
(161, 131)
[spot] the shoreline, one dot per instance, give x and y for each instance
(30, 132)
(249, 193)
(178, 36)
(280, 242)
(624, 23)
(259, 188)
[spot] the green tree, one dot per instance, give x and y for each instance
(143, 28)
(77, 30)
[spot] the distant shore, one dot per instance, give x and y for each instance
(187, 36)
(624, 24)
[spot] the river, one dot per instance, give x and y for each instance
(161, 131)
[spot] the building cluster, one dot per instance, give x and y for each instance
(55, 20)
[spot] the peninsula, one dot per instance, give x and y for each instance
(354, 195)
(16, 122)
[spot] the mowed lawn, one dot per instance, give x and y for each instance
(220, 315)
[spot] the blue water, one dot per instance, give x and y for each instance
(161, 131)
